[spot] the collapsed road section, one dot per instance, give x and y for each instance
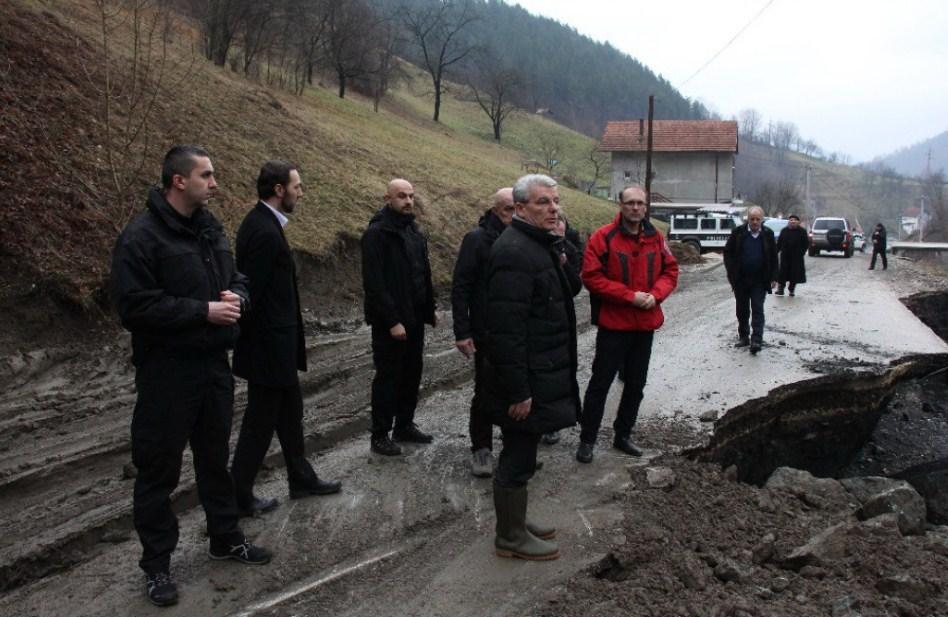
(818, 425)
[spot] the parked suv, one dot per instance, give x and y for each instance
(830, 233)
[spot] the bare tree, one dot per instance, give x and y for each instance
(783, 135)
(749, 122)
(385, 70)
(436, 30)
(128, 88)
(600, 164)
(350, 26)
(221, 22)
(780, 196)
(494, 86)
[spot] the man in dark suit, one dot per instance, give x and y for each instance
(750, 258)
(271, 348)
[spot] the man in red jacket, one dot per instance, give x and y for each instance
(628, 271)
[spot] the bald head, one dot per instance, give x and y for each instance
(400, 196)
(755, 218)
(502, 204)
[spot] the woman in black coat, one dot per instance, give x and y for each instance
(792, 246)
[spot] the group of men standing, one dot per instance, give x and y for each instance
(186, 300)
(178, 290)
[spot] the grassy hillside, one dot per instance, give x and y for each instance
(346, 152)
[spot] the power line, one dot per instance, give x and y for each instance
(728, 44)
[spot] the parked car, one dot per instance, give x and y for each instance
(701, 229)
(831, 233)
(776, 226)
(859, 242)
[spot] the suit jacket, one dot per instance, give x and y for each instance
(271, 347)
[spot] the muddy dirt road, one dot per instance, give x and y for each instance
(412, 535)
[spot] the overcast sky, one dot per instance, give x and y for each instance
(862, 77)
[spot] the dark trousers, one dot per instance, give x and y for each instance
(517, 461)
(480, 426)
(268, 410)
(750, 298)
(615, 350)
(881, 253)
(181, 398)
(398, 366)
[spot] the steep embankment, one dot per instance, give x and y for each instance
(63, 209)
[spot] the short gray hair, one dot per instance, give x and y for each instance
(521, 188)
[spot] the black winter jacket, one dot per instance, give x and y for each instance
(792, 246)
(469, 283)
(531, 338)
(165, 270)
(271, 347)
(732, 256)
(391, 244)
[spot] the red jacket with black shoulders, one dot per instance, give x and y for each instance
(616, 264)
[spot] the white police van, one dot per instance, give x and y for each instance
(705, 227)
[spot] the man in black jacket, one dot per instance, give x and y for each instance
(531, 354)
(176, 290)
(271, 348)
(750, 258)
(399, 301)
(878, 246)
(792, 246)
(469, 309)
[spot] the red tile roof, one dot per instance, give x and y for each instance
(670, 136)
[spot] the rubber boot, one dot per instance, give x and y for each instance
(544, 532)
(513, 539)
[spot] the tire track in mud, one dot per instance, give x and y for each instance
(65, 451)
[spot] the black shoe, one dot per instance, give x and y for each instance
(755, 347)
(314, 487)
(160, 589)
(244, 552)
(385, 446)
(584, 453)
(792, 294)
(625, 445)
(743, 342)
(256, 506)
(411, 434)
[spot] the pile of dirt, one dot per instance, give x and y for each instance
(685, 253)
(697, 543)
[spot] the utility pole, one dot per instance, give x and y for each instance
(806, 197)
(648, 159)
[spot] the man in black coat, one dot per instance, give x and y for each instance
(878, 246)
(271, 348)
(469, 308)
(792, 246)
(399, 301)
(750, 258)
(176, 290)
(531, 354)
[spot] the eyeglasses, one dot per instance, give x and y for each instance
(634, 202)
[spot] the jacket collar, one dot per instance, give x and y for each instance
(647, 228)
(394, 221)
(491, 222)
(200, 222)
(540, 235)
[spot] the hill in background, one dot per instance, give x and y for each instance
(914, 160)
(68, 192)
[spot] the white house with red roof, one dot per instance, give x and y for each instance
(692, 160)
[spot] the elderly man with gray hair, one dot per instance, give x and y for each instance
(750, 258)
(531, 355)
